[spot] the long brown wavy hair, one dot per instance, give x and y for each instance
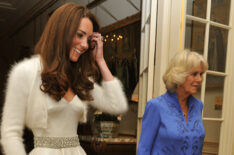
(58, 72)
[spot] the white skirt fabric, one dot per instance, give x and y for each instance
(64, 151)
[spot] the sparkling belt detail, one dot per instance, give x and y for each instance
(56, 142)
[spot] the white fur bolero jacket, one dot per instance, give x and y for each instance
(25, 103)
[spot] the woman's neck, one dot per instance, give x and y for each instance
(182, 97)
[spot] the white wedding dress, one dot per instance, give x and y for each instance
(63, 118)
(54, 124)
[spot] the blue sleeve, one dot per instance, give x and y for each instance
(150, 126)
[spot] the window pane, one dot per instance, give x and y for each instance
(194, 36)
(220, 10)
(213, 97)
(197, 8)
(211, 143)
(217, 48)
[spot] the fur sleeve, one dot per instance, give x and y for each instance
(13, 119)
(109, 97)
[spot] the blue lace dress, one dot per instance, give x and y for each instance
(165, 131)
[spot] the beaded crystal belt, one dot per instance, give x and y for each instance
(56, 142)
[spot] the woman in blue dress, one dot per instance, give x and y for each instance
(172, 123)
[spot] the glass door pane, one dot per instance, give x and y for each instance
(220, 10)
(213, 97)
(217, 48)
(207, 34)
(195, 36)
(197, 8)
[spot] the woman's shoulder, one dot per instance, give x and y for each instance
(25, 69)
(26, 64)
(197, 102)
(157, 101)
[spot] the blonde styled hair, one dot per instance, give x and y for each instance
(183, 63)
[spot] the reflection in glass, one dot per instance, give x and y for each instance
(195, 36)
(213, 97)
(220, 10)
(122, 54)
(197, 8)
(211, 142)
(217, 48)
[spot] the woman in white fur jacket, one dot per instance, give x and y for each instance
(50, 92)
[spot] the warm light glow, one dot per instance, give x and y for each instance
(113, 37)
(119, 118)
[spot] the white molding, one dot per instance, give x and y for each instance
(227, 128)
(148, 36)
(152, 41)
(231, 79)
(212, 119)
(162, 45)
(175, 24)
(202, 20)
(216, 73)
